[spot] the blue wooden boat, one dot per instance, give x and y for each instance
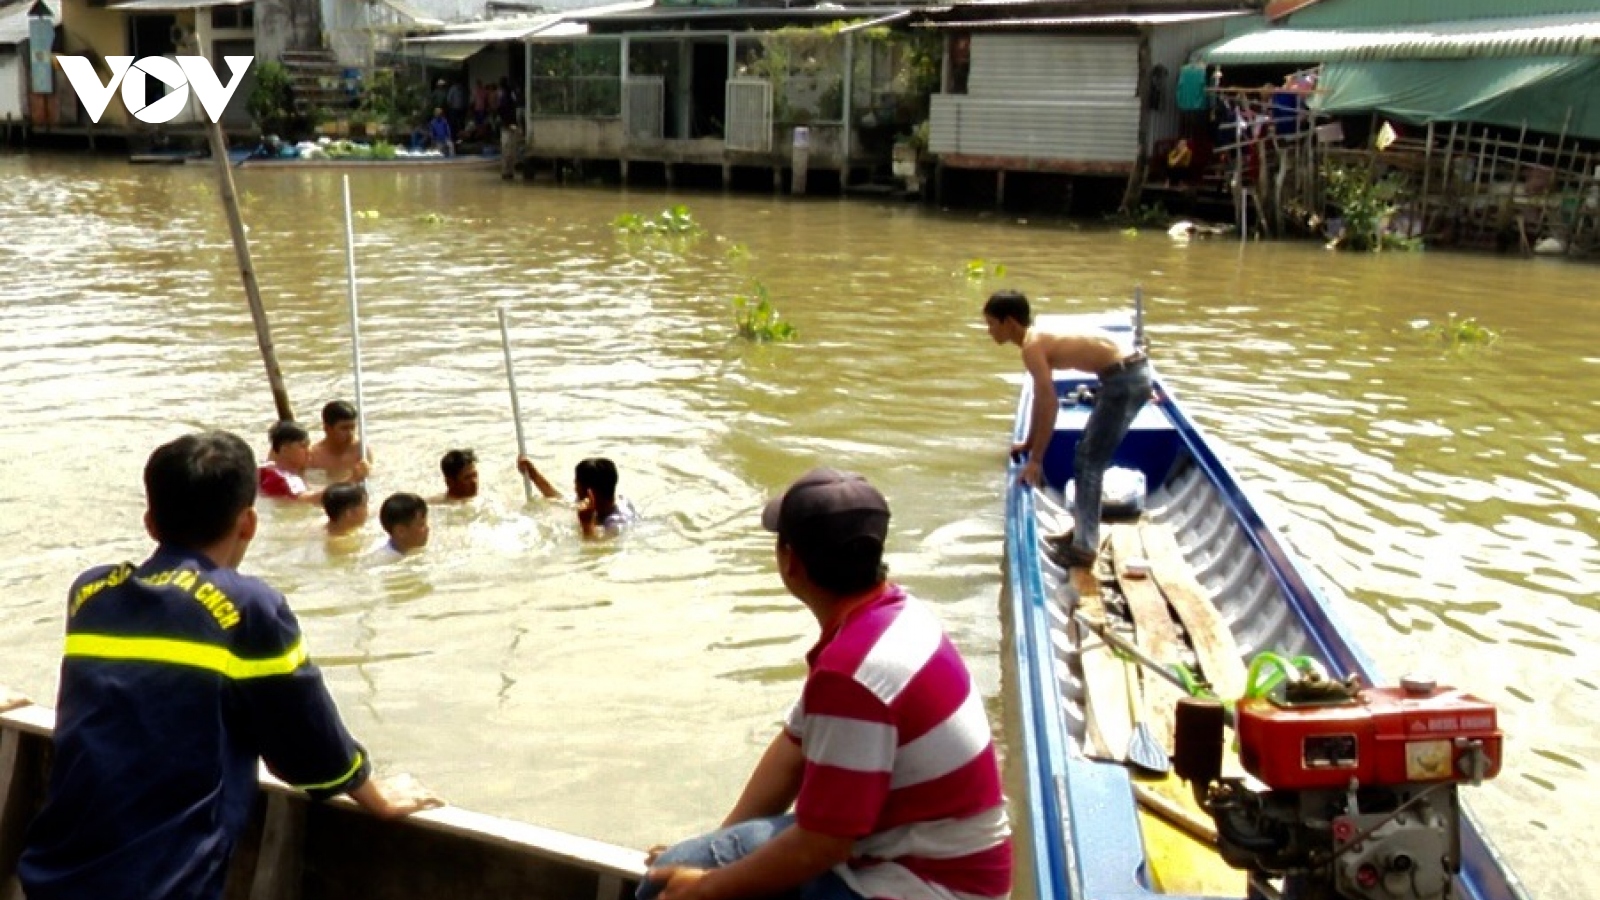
(1096, 829)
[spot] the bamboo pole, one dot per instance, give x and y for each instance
(247, 272)
(1447, 172)
(516, 404)
(355, 322)
(1553, 188)
(1580, 211)
(1427, 181)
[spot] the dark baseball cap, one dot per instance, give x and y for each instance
(827, 506)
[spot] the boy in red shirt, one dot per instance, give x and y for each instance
(283, 475)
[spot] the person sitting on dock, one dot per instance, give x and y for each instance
(283, 475)
(887, 758)
(439, 134)
(1124, 388)
(340, 449)
(180, 676)
(602, 512)
(404, 518)
(460, 470)
(346, 506)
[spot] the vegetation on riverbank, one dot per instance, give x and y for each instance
(674, 231)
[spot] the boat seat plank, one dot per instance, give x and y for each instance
(1155, 632)
(1214, 645)
(1109, 721)
(1180, 862)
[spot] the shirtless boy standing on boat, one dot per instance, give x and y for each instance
(340, 449)
(1124, 388)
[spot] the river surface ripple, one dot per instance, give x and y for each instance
(622, 691)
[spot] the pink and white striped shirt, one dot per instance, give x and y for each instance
(898, 755)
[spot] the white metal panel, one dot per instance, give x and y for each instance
(1170, 47)
(10, 85)
(1053, 65)
(644, 106)
(749, 115)
(1085, 131)
(1052, 96)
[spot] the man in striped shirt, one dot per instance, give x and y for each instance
(886, 760)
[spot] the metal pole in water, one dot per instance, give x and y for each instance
(516, 407)
(355, 321)
(247, 272)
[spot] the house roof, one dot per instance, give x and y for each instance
(1079, 13)
(659, 15)
(461, 40)
(14, 20)
(1569, 35)
(1277, 9)
(508, 29)
(1172, 18)
(137, 6)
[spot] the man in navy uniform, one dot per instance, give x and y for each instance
(179, 675)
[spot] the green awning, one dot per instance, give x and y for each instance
(1548, 95)
(1520, 36)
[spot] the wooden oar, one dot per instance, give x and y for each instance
(1144, 749)
(516, 406)
(355, 323)
(1138, 656)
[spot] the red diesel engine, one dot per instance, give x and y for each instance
(1358, 787)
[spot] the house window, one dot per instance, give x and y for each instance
(243, 16)
(576, 78)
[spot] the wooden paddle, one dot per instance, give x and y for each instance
(1145, 752)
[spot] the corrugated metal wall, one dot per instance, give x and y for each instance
(1170, 46)
(1044, 96)
(10, 83)
(749, 126)
(644, 106)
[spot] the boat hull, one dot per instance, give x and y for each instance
(1085, 815)
(295, 849)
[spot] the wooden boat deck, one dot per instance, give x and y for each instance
(1169, 615)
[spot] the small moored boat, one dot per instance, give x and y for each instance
(296, 849)
(1343, 788)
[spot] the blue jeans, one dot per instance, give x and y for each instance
(728, 845)
(1120, 398)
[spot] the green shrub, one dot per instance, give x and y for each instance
(756, 319)
(1366, 204)
(1459, 333)
(271, 101)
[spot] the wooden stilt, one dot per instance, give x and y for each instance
(1427, 181)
